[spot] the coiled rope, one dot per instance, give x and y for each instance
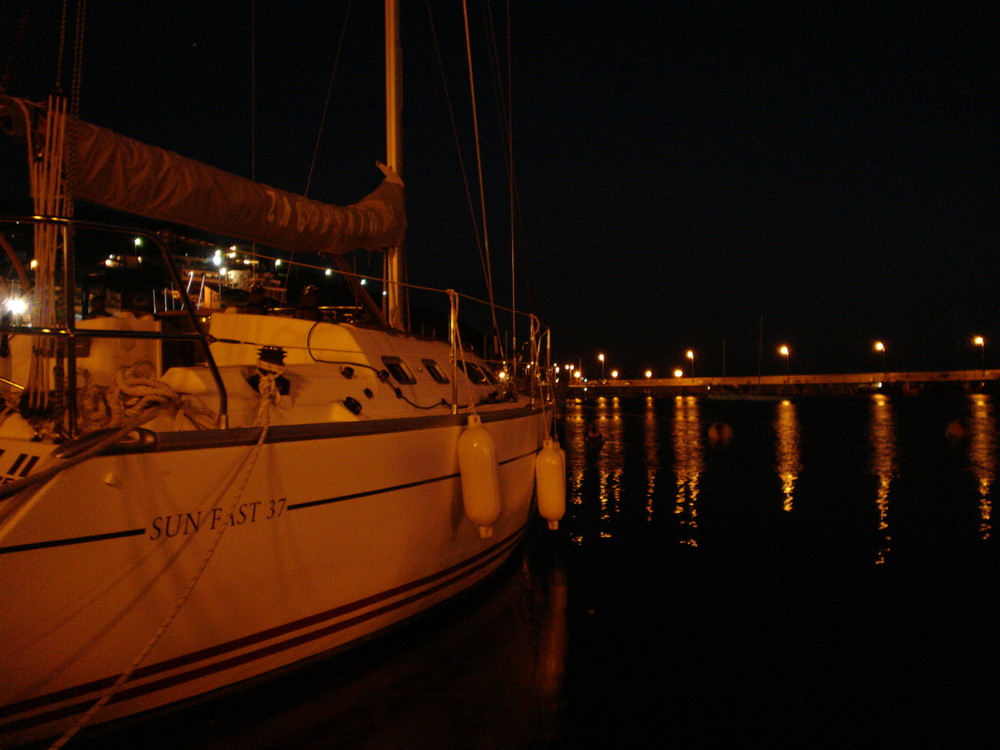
(136, 389)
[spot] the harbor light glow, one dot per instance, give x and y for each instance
(17, 305)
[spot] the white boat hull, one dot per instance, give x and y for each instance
(308, 560)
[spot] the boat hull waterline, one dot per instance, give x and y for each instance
(308, 561)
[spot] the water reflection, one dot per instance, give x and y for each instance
(485, 671)
(882, 435)
(689, 463)
(651, 448)
(611, 460)
(789, 464)
(576, 455)
(605, 465)
(982, 455)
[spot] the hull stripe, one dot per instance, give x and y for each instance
(73, 540)
(408, 485)
(440, 580)
(292, 506)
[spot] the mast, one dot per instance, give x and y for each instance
(395, 267)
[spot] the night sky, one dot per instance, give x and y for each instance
(685, 170)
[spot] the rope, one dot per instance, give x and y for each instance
(136, 399)
(136, 389)
(44, 475)
(268, 395)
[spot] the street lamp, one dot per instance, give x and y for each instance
(649, 374)
(784, 352)
(690, 355)
(601, 357)
(981, 343)
(880, 347)
(678, 373)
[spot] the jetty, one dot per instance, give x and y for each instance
(751, 386)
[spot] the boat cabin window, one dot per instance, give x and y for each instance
(435, 370)
(475, 373)
(399, 371)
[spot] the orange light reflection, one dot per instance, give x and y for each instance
(689, 463)
(652, 450)
(982, 456)
(882, 434)
(789, 462)
(611, 460)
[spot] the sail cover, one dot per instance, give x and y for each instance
(124, 174)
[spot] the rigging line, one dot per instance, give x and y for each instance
(74, 104)
(511, 180)
(249, 464)
(511, 184)
(504, 106)
(61, 51)
(81, 23)
(479, 167)
(326, 104)
(253, 92)
(454, 130)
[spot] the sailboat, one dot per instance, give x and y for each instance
(196, 496)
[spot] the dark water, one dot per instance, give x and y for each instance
(827, 578)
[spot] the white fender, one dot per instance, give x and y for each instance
(550, 482)
(477, 463)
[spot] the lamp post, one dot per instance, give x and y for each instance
(649, 374)
(880, 347)
(981, 343)
(601, 358)
(690, 355)
(784, 352)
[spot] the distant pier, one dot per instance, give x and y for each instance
(792, 385)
